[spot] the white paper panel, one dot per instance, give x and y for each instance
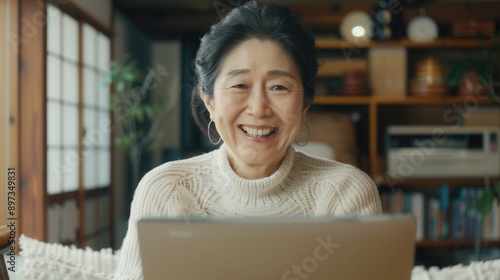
(93, 136)
(104, 125)
(104, 53)
(90, 89)
(70, 38)
(70, 125)
(89, 45)
(103, 98)
(53, 78)
(54, 123)
(53, 29)
(89, 168)
(89, 124)
(54, 171)
(71, 164)
(70, 82)
(104, 168)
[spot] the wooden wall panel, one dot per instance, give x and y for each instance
(3, 115)
(32, 119)
(8, 100)
(14, 95)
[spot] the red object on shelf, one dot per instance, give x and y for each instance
(354, 83)
(469, 85)
(473, 28)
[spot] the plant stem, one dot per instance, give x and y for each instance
(135, 160)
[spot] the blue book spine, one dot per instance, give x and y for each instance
(444, 203)
(459, 214)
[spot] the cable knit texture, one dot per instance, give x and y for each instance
(46, 261)
(206, 185)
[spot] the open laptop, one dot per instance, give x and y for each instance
(367, 247)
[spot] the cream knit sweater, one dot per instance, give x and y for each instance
(206, 185)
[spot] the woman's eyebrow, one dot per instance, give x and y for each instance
(236, 72)
(281, 73)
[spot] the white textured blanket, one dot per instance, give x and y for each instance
(54, 261)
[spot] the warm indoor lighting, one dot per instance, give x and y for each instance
(358, 31)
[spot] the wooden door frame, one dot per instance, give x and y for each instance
(32, 118)
(9, 118)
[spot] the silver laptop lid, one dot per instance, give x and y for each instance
(367, 247)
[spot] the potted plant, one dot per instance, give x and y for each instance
(137, 112)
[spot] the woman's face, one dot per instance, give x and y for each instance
(257, 106)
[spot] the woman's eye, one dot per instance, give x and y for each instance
(240, 86)
(278, 87)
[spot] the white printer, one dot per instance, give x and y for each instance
(442, 151)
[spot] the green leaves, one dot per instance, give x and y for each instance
(485, 202)
(148, 111)
(131, 98)
(123, 77)
(496, 190)
(125, 141)
(133, 104)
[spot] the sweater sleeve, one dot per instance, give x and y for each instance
(159, 194)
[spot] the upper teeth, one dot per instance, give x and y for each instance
(257, 132)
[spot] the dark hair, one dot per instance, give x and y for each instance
(271, 22)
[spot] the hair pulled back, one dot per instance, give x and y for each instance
(252, 20)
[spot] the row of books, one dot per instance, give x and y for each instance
(442, 215)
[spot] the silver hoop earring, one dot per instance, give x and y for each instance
(210, 138)
(307, 139)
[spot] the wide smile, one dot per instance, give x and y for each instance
(261, 132)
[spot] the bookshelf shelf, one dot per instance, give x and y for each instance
(455, 243)
(432, 182)
(331, 43)
(342, 100)
(407, 100)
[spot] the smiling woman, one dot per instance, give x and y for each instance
(257, 106)
(255, 76)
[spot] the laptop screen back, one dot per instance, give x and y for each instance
(368, 247)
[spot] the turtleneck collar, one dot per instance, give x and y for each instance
(245, 190)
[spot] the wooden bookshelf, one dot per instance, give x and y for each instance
(342, 100)
(375, 104)
(332, 43)
(406, 100)
(376, 110)
(432, 182)
(455, 243)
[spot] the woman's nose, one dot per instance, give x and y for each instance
(258, 104)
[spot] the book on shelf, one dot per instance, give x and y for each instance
(445, 216)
